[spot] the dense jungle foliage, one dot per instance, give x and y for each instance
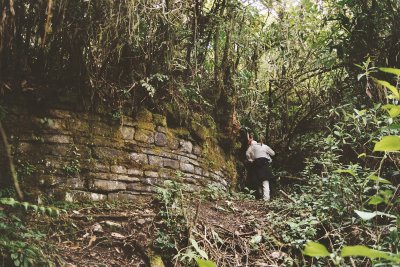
(319, 78)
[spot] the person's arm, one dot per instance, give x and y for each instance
(270, 151)
(249, 154)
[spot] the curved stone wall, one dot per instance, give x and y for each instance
(90, 156)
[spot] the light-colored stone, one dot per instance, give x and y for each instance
(135, 172)
(58, 139)
(60, 113)
(127, 133)
(118, 169)
(151, 174)
(144, 136)
(186, 167)
(75, 183)
(76, 196)
(138, 158)
(108, 186)
(185, 146)
(197, 150)
(156, 161)
(136, 187)
(99, 167)
(173, 164)
(160, 139)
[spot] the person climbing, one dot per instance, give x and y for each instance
(250, 139)
(260, 154)
(251, 182)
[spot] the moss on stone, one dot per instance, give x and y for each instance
(145, 125)
(160, 120)
(181, 132)
(144, 115)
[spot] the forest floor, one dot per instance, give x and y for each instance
(231, 232)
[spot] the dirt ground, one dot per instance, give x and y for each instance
(123, 234)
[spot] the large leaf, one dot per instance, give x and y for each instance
(392, 88)
(391, 70)
(393, 110)
(365, 215)
(388, 144)
(198, 249)
(315, 249)
(205, 263)
(373, 177)
(364, 251)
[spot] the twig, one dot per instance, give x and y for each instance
(287, 196)
(10, 162)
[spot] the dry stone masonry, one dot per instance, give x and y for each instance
(90, 156)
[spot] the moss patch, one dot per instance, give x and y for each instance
(144, 115)
(160, 120)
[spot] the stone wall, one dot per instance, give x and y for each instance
(77, 156)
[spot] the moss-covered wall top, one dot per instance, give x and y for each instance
(74, 155)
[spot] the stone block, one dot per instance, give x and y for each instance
(60, 113)
(124, 195)
(75, 183)
(197, 150)
(118, 169)
(137, 187)
(113, 177)
(186, 167)
(185, 146)
(128, 133)
(107, 186)
(109, 154)
(58, 139)
(170, 163)
(156, 161)
(135, 172)
(99, 167)
(144, 136)
(160, 139)
(151, 174)
(166, 173)
(173, 143)
(137, 158)
(77, 196)
(198, 170)
(77, 125)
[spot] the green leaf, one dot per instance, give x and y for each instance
(392, 88)
(25, 205)
(373, 177)
(8, 201)
(198, 249)
(393, 110)
(365, 215)
(346, 171)
(205, 263)
(388, 144)
(364, 251)
(394, 127)
(391, 70)
(375, 200)
(315, 249)
(369, 215)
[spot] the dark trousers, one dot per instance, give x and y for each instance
(261, 171)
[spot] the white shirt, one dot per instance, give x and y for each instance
(257, 150)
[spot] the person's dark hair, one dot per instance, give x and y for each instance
(261, 139)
